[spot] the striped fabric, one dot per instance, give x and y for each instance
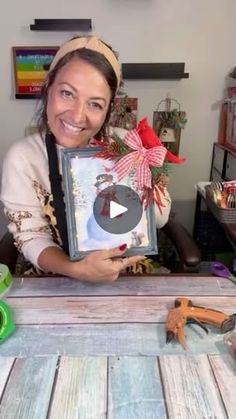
(141, 158)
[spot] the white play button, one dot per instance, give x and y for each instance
(116, 209)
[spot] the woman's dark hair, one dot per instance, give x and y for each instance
(92, 57)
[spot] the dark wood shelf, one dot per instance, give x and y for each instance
(152, 71)
(61, 25)
(25, 96)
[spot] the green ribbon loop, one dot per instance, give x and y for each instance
(7, 325)
(5, 278)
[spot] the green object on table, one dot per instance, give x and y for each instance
(5, 279)
(7, 325)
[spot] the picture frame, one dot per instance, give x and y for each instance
(223, 123)
(31, 65)
(230, 140)
(169, 136)
(81, 170)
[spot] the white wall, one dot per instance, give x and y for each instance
(200, 33)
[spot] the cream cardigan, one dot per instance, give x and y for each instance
(26, 196)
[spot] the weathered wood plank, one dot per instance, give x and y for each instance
(81, 389)
(157, 285)
(5, 368)
(79, 310)
(135, 389)
(28, 390)
(224, 368)
(108, 339)
(190, 388)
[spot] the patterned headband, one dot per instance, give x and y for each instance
(92, 43)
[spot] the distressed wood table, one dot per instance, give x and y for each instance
(98, 351)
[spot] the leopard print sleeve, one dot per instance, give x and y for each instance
(26, 196)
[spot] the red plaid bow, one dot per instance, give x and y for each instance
(141, 158)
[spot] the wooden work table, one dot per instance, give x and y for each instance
(98, 351)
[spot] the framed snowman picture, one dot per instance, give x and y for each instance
(103, 213)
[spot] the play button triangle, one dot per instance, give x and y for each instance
(116, 209)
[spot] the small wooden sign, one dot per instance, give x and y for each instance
(169, 136)
(31, 65)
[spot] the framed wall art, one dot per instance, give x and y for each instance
(169, 136)
(230, 140)
(91, 194)
(168, 124)
(30, 69)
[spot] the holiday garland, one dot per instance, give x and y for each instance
(174, 119)
(141, 150)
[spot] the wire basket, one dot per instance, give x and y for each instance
(224, 215)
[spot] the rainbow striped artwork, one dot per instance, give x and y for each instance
(31, 65)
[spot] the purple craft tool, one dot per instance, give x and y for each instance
(219, 269)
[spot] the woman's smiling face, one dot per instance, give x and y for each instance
(78, 101)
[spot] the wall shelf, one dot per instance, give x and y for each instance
(145, 71)
(151, 71)
(61, 25)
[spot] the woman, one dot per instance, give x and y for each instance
(77, 98)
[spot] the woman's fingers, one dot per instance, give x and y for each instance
(130, 260)
(106, 265)
(112, 253)
(115, 253)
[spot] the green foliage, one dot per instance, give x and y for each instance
(176, 119)
(120, 145)
(157, 171)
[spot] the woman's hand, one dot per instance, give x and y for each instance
(99, 266)
(104, 265)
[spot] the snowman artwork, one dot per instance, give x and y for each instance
(103, 181)
(95, 232)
